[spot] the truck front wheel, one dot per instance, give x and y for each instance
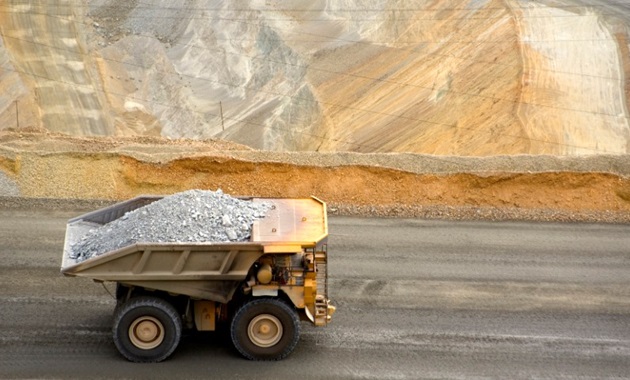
(265, 329)
(146, 329)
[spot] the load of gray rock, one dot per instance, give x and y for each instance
(187, 217)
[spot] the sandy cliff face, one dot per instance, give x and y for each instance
(477, 77)
(573, 92)
(54, 83)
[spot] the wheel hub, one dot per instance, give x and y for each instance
(146, 333)
(265, 330)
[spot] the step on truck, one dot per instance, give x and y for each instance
(259, 289)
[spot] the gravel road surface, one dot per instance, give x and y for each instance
(416, 299)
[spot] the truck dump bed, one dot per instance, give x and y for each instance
(204, 270)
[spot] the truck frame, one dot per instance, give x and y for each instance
(262, 289)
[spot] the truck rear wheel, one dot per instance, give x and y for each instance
(265, 329)
(146, 329)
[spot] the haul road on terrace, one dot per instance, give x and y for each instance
(417, 299)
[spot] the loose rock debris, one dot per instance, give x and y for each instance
(192, 216)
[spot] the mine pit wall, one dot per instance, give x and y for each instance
(113, 176)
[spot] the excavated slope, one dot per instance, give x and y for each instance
(594, 188)
(443, 77)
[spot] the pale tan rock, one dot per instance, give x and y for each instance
(493, 78)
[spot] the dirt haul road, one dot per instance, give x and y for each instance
(415, 299)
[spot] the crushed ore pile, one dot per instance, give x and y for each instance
(190, 216)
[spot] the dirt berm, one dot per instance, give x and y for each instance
(38, 165)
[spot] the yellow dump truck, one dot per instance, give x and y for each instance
(261, 288)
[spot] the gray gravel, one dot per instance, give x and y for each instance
(440, 212)
(8, 187)
(192, 216)
(437, 164)
(446, 212)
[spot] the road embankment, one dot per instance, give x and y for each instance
(591, 188)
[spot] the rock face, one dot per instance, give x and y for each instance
(438, 77)
(193, 216)
(45, 169)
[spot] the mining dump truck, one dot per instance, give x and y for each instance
(260, 289)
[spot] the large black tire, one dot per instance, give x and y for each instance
(265, 329)
(146, 329)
